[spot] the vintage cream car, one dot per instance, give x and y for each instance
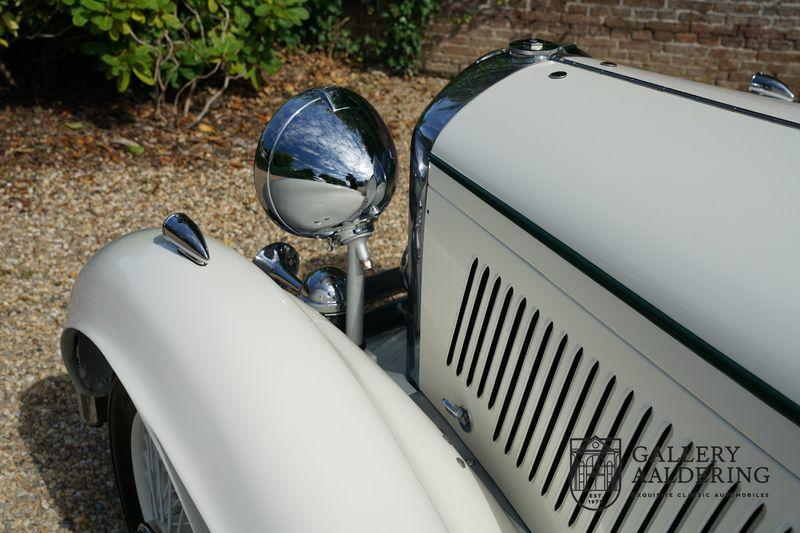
(593, 328)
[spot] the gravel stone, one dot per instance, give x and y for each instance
(64, 193)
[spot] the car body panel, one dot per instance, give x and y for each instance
(742, 410)
(271, 417)
(561, 299)
(690, 206)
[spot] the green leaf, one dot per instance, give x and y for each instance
(10, 23)
(93, 5)
(121, 15)
(145, 78)
(123, 81)
(262, 10)
(74, 125)
(103, 22)
(301, 12)
(135, 149)
(241, 17)
(212, 6)
(171, 20)
(110, 60)
(142, 55)
(79, 18)
(188, 74)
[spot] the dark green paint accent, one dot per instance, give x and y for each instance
(720, 361)
(682, 94)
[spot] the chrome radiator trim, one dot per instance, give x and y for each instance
(472, 81)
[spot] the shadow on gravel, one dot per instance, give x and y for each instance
(72, 458)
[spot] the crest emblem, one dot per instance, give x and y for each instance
(595, 484)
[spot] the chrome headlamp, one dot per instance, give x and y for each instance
(325, 165)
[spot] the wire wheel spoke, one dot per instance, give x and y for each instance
(161, 506)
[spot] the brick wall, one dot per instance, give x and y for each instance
(719, 42)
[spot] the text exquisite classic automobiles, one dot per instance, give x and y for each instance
(592, 329)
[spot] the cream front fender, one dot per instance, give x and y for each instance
(272, 419)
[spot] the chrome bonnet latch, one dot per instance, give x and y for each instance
(459, 413)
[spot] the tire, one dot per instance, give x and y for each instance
(136, 458)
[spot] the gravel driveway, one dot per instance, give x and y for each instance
(70, 181)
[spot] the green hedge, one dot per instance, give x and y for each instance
(174, 46)
(164, 43)
(395, 41)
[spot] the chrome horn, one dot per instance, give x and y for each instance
(323, 289)
(281, 262)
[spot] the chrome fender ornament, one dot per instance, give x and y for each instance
(181, 231)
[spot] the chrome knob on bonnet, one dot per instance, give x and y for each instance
(325, 165)
(766, 85)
